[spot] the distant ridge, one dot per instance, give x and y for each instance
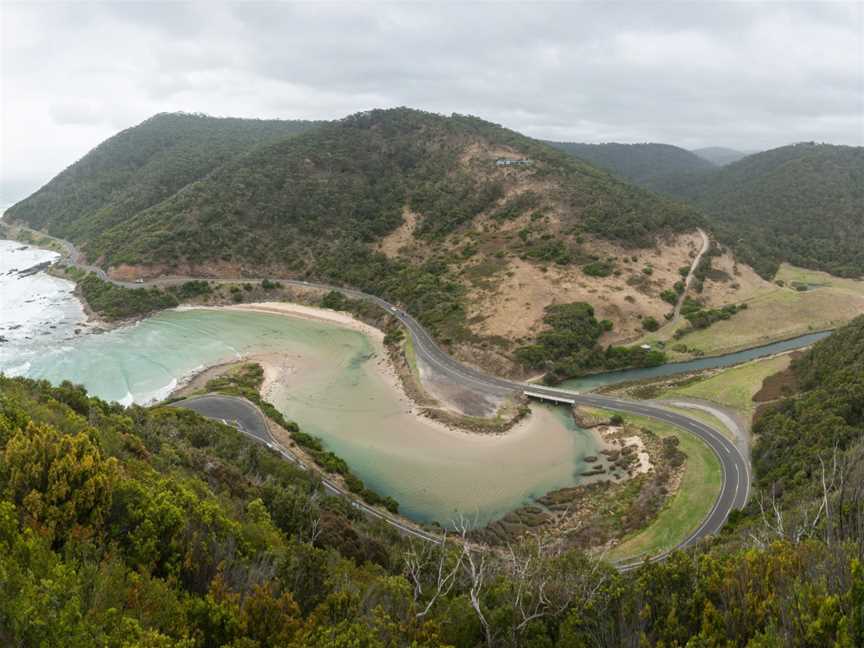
(650, 165)
(802, 203)
(720, 155)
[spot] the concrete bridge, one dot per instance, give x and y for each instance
(549, 397)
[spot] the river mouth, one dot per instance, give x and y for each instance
(335, 389)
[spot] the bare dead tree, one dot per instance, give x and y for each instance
(531, 582)
(772, 521)
(477, 573)
(311, 511)
(314, 530)
(807, 519)
(849, 518)
(829, 484)
(542, 580)
(439, 559)
(475, 565)
(543, 585)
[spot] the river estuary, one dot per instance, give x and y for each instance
(339, 395)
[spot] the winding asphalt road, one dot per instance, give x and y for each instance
(735, 488)
(736, 476)
(736, 479)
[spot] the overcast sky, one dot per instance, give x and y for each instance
(744, 75)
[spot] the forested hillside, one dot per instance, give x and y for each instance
(348, 182)
(140, 167)
(802, 203)
(155, 527)
(433, 212)
(654, 166)
(826, 417)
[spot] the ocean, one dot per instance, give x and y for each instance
(39, 314)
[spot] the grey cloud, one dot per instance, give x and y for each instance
(76, 113)
(747, 75)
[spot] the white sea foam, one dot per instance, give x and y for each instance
(164, 392)
(160, 394)
(127, 400)
(18, 370)
(189, 375)
(36, 311)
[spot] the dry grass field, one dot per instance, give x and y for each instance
(774, 312)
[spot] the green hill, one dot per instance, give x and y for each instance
(802, 203)
(345, 181)
(470, 201)
(654, 166)
(141, 166)
(826, 416)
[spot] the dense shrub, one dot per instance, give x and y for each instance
(650, 324)
(116, 302)
(598, 268)
(569, 346)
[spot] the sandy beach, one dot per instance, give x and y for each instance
(309, 312)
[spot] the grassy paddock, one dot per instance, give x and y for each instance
(734, 387)
(776, 313)
(699, 488)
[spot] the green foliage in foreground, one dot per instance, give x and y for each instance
(155, 527)
(569, 347)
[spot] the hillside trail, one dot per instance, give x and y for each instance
(706, 242)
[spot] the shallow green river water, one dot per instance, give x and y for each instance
(337, 394)
(435, 474)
